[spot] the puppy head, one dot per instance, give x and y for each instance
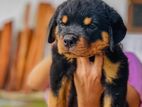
(84, 28)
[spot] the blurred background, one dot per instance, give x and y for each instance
(23, 43)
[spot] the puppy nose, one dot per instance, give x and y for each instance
(70, 40)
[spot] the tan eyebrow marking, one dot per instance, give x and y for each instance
(87, 21)
(65, 19)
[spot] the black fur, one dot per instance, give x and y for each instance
(73, 96)
(106, 19)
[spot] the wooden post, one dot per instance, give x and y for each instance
(23, 42)
(5, 46)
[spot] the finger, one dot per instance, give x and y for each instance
(98, 63)
(83, 61)
(77, 81)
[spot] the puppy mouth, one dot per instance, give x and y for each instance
(69, 50)
(75, 52)
(91, 57)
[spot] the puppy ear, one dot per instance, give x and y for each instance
(51, 29)
(53, 24)
(117, 29)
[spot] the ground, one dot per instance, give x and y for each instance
(8, 99)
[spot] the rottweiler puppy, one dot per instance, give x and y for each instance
(85, 28)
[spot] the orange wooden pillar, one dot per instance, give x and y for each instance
(5, 45)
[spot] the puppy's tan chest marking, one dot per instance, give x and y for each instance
(111, 70)
(62, 99)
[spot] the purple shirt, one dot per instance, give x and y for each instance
(135, 73)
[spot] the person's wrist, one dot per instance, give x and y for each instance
(89, 101)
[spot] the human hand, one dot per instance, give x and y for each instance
(87, 80)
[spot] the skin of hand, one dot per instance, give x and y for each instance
(87, 80)
(133, 97)
(38, 79)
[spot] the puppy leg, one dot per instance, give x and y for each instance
(61, 73)
(115, 97)
(115, 76)
(61, 100)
